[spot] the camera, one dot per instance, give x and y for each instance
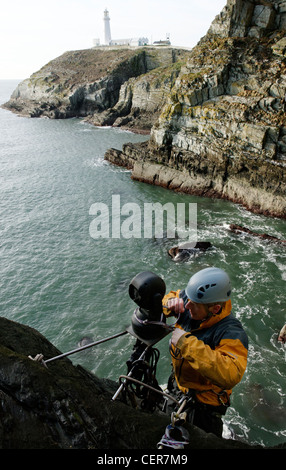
(148, 323)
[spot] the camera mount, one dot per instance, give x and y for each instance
(148, 326)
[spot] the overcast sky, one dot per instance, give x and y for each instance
(33, 32)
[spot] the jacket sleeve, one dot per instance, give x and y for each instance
(224, 366)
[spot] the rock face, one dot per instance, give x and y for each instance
(66, 407)
(222, 132)
(216, 113)
(109, 86)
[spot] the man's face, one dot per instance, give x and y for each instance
(197, 311)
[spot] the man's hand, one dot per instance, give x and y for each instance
(176, 305)
(176, 335)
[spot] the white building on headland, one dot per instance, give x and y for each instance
(133, 42)
(165, 42)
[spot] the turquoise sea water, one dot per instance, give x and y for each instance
(58, 279)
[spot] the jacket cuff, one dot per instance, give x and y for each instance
(182, 339)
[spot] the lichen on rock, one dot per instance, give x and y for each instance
(106, 86)
(215, 114)
(223, 128)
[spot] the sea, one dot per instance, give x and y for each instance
(59, 277)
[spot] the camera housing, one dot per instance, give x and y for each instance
(147, 290)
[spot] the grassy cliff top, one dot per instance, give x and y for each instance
(89, 65)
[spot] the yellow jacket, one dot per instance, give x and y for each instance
(211, 357)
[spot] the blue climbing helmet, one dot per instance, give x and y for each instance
(208, 286)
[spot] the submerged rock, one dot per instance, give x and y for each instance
(84, 341)
(184, 252)
(238, 229)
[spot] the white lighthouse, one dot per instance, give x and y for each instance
(130, 42)
(107, 33)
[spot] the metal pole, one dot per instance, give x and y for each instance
(127, 377)
(85, 347)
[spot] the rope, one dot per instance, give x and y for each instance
(38, 358)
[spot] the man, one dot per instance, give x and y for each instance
(208, 346)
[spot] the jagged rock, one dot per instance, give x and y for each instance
(184, 252)
(118, 158)
(119, 87)
(239, 229)
(66, 407)
(217, 112)
(222, 131)
(279, 47)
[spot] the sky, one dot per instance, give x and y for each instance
(33, 32)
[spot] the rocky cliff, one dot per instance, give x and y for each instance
(216, 113)
(63, 406)
(107, 86)
(222, 132)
